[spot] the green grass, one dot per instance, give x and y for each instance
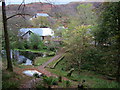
(57, 69)
(54, 62)
(9, 80)
(35, 51)
(52, 81)
(66, 84)
(41, 60)
(8, 84)
(92, 79)
(24, 66)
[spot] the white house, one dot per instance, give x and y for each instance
(40, 14)
(44, 33)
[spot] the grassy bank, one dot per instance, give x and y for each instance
(30, 50)
(13, 80)
(41, 60)
(92, 79)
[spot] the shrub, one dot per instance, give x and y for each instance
(17, 44)
(51, 54)
(92, 57)
(95, 59)
(67, 83)
(52, 46)
(50, 80)
(26, 44)
(36, 75)
(36, 42)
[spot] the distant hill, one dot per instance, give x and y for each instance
(32, 8)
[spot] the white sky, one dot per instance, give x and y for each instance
(51, 1)
(55, 1)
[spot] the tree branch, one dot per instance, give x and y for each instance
(17, 15)
(21, 4)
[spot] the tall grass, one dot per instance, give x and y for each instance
(8, 84)
(9, 80)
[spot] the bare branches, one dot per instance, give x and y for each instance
(23, 2)
(2, 0)
(22, 8)
(17, 15)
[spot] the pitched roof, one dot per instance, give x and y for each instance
(42, 14)
(38, 31)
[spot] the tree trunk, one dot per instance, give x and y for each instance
(9, 62)
(118, 41)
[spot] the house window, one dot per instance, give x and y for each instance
(52, 32)
(43, 37)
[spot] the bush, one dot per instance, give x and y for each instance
(50, 80)
(36, 42)
(52, 46)
(26, 44)
(92, 57)
(17, 44)
(36, 75)
(51, 54)
(67, 83)
(99, 60)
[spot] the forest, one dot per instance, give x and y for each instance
(81, 50)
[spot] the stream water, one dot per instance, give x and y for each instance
(32, 72)
(27, 57)
(23, 60)
(23, 57)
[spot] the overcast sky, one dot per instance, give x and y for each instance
(51, 1)
(54, 1)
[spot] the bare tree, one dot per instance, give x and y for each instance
(7, 47)
(6, 36)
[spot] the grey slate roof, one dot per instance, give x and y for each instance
(42, 14)
(38, 31)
